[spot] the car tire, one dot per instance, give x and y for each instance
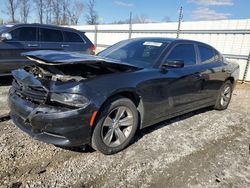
(115, 126)
(224, 96)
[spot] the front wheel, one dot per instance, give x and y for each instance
(115, 126)
(224, 96)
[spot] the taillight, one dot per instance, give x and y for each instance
(93, 49)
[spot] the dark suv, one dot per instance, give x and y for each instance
(18, 38)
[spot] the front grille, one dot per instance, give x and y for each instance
(35, 94)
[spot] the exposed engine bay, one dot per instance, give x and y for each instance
(76, 72)
(72, 66)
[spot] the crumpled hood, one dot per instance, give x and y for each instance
(51, 57)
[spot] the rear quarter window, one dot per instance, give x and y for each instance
(207, 54)
(217, 56)
(72, 37)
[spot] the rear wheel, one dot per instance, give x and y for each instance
(115, 126)
(224, 96)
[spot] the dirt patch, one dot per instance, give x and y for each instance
(206, 148)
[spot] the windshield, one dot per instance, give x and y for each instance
(141, 53)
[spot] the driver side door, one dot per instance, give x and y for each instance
(184, 89)
(173, 91)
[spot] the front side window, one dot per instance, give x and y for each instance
(207, 55)
(184, 52)
(51, 35)
(24, 34)
(72, 37)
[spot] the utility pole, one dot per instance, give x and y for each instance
(130, 26)
(179, 23)
(246, 69)
(96, 31)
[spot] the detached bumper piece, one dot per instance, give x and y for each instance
(54, 125)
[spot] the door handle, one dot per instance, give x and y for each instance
(65, 45)
(32, 45)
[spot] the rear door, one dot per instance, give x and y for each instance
(74, 42)
(50, 39)
(23, 39)
(212, 67)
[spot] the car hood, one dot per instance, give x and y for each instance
(51, 57)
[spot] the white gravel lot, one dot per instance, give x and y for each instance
(206, 148)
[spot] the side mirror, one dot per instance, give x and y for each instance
(173, 64)
(5, 36)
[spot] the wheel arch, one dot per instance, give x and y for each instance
(130, 94)
(231, 79)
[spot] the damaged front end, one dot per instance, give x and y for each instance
(56, 118)
(47, 101)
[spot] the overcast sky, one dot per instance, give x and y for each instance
(157, 10)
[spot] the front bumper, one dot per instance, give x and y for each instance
(54, 125)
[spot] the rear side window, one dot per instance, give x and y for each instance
(51, 35)
(184, 52)
(72, 37)
(24, 34)
(207, 54)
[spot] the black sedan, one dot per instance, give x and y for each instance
(71, 99)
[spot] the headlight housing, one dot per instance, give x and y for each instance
(74, 100)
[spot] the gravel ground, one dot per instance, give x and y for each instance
(206, 148)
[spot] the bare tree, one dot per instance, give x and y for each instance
(48, 11)
(40, 6)
(92, 15)
(24, 10)
(1, 21)
(64, 6)
(75, 12)
(166, 19)
(137, 19)
(140, 19)
(127, 21)
(56, 12)
(12, 6)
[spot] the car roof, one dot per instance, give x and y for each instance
(160, 39)
(164, 39)
(41, 25)
(168, 40)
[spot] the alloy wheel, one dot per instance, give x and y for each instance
(225, 96)
(117, 126)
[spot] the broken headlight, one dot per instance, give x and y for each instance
(69, 99)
